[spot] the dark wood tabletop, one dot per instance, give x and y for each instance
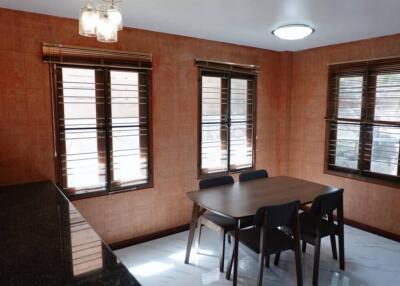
(243, 199)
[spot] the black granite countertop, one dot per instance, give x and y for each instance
(45, 241)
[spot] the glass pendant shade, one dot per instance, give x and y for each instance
(107, 31)
(115, 16)
(88, 21)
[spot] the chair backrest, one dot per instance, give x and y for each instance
(277, 215)
(253, 175)
(326, 203)
(215, 182)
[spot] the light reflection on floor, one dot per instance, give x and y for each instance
(150, 268)
(370, 261)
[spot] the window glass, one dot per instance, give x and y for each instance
(214, 153)
(82, 168)
(347, 145)
(241, 139)
(129, 162)
(385, 150)
(103, 129)
(350, 97)
(226, 123)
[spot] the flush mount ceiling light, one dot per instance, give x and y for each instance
(293, 32)
(102, 21)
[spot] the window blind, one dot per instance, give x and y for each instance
(58, 53)
(363, 119)
(102, 115)
(227, 120)
(228, 66)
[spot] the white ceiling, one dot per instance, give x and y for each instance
(246, 22)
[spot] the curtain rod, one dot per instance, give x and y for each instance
(197, 60)
(364, 60)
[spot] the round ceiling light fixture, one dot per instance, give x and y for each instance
(293, 31)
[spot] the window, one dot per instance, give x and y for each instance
(364, 120)
(227, 127)
(103, 126)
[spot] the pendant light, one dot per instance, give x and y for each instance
(102, 22)
(88, 21)
(107, 31)
(115, 15)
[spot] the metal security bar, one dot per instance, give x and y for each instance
(363, 119)
(103, 128)
(227, 122)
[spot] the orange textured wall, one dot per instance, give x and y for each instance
(291, 99)
(371, 204)
(26, 144)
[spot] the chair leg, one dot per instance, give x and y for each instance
(222, 255)
(317, 250)
(229, 269)
(304, 246)
(333, 245)
(341, 234)
(341, 250)
(261, 268)
(198, 238)
(299, 271)
(266, 260)
(276, 260)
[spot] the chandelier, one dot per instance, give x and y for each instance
(102, 21)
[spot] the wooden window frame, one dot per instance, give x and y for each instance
(57, 113)
(229, 74)
(366, 122)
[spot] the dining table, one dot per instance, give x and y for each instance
(242, 199)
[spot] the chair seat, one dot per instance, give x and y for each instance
(309, 225)
(277, 240)
(224, 222)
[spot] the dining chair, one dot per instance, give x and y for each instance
(253, 175)
(215, 221)
(318, 223)
(266, 237)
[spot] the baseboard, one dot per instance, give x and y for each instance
(148, 237)
(166, 232)
(371, 229)
(367, 228)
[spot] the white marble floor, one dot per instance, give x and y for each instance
(370, 261)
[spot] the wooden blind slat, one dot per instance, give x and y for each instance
(363, 119)
(66, 54)
(227, 122)
(228, 66)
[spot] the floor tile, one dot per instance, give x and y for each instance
(371, 260)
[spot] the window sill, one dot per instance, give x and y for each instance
(73, 197)
(370, 180)
(210, 175)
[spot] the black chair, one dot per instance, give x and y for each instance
(267, 238)
(319, 223)
(253, 175)
(214, 221)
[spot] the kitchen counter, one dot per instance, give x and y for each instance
(45, 241)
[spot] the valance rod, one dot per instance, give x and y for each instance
(228, 66)
(66, 54)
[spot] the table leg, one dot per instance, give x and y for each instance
(341, 235)
(192, 229)
(235, 254)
